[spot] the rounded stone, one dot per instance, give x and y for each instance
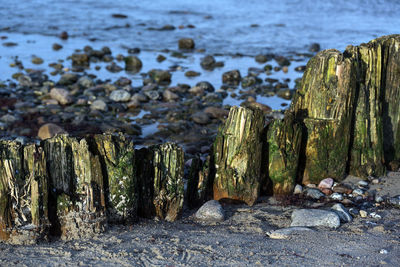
(286, 233)
(99, 105)
(314, 217)
(342, 212)
(201, 118)
(186, 43)
(133, 63)
(49, 130)
(298, 189)
(120, 96)
(314, 193)
(61, 95)
(211, 211)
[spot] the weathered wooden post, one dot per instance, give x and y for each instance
(324, 103)
(160, 181)
(237, 153)
(117, 157)
(284, 139)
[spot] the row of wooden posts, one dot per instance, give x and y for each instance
(343, 119)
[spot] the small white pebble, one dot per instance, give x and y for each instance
(336, 196)
(363, 214)
(383, 251)
(375, 215)
(363, 183)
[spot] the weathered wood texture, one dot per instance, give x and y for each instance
(283, 149)
(200, 180)
(72, 187)
(160, 181)
(237, 152)
(324, 103)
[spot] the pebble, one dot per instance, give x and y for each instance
(344, 215)
(314, 217)
(358, 192)
(363, 213)
(217, 113)
(61, 95)
(314, 193)
(186, 43)
(298, 189)
(49, 130)
(363, 183)
(286, 233)
(394, 201)
(208, 62)
(326, 183)
(8, 118)
(37, 60)
(120, 96)
(378, 199)
(232, 77)
(211, 211)
(343, 189)
(133, 63)
(192, 73)
(375, 215)
(68, 79)
(99, 105)
(383, 251)
(201, 118)
(336, 196)
(170, 96)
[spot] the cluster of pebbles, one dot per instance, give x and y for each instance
(78, 102)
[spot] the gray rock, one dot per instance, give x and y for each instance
(186, 43)
(85, 82)
(8, 118)
(314, 193)
(363, 183)
(395, 201)
(313, 217)
(68, 79)
(357, 192)
(231, 77)
(336, 196)
(344, 215)
(211, 211)
(139, 97)
(286, 233)
(208, 62)
(298, 189)
(170, 96)
(153, 95)
(206, 86)
(120, 96)
(201, 118)
(99, 105)
(61, 95)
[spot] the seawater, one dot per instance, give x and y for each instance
(222, 28)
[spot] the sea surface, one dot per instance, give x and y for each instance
(223, 28)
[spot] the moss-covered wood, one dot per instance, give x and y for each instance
(117, 156)
(160, 181)
(23, 193)
(237, 153)
(283, 149)
(324, 103)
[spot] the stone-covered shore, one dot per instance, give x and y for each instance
(343, 120)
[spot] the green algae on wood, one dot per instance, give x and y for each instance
(117, 155)
(160, 181)
(324, 103)
(237, 153)
(283, 148)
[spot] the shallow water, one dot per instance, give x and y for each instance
(223, 26)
